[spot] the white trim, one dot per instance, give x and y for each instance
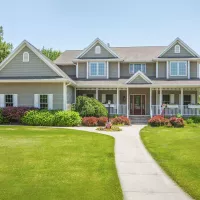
(77, 70)
(50, 101)
(156, 69)
(118, 69)
(97, 40)
(139, 73)
(15, 100)
(107, 69)
(25, 54)
(36, 101)
(87, 71)
(180, 42)
(150, 100)
(181, 101)
(198, 70)
(157, 100)
(186, 71)
(160, 100)
(134, 67)
(97, 63)
(188, 68)
(167, 69)
(177, 48)
(117, 100)
(127, 100)
(64, 96)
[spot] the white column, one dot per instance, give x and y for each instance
(118, 69)
(117, 100)
(167, 69)
(150, 100)
(107, 70)
(156, 69)
(75, 95)
(157, 103)
(64, 96)
(181, 101)
(97, 94)
(87, 70)
(188, 69)
(127, 99)
(77, 70)
(198, 93)
(160, 100)
(198, 75)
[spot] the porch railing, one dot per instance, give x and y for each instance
(122, 109)
(184, 110)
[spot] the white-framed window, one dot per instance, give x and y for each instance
(9, 100)
(133, 68)
(177, 49)
(186, 99)
(97, 68)
(43, 101)
(178, 68)
(166, 99)
(97, 50)
(25, 57)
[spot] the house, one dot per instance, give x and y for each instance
(137, 80)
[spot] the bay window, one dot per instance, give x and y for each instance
(178, 68)
(97, 68)
(133, 68)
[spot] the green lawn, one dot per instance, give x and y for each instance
(57, 164)
(177, 150)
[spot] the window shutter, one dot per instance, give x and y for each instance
(171, 98)
(15, 100)
(2, 100)
(50, 101)
(103, 100)
(36, 101)
(115, 98)
(192, 98)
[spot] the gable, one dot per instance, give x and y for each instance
(138, 80)
(34, 68)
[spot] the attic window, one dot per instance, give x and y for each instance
(97, 50)
(177, 49)
(25, 57)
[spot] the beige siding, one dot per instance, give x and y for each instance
(193, 69)
(151, 69)
(161, 69)
(104, 53)
(70, 70)
(35, 67)
(70, 95)
(82, 70)
(113, 70)
(183, 53)
(124, 70)
(26, 92)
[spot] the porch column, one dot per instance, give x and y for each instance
(198, 93)
(127, 102)
(77, 70)
(118, 69)
(150, 100)
(117, 100)
(160, 100)
(181, 101)
(157, 103)
(97, 94)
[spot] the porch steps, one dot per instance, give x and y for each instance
(139, 119)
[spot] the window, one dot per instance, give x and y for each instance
(178, 68)
(109, 97)
(25, 57)
(97, 50)
(133, 68)
(166, 99)
(90, 95)
(8, 100)
(186, 99)
(43, 101)
(97, 69)
(177, 49)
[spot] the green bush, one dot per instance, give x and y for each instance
(1, 117)
(196, 119)
(88, 107)
(67, 118)
(190, 121)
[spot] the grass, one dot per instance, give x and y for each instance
(57, 164)
(177, 150)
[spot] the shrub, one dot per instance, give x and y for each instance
(1, 117)
(190, 121)
(196, 119)
(14, 114)
(176, 122)
(90, 121)
(121, 120)
(102, 121)
(38, 118)
(157, 120)
(179, 115)
(66, 118)
(88, 107)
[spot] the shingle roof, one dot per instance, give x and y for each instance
(128, 54)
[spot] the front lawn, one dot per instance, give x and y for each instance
(57, 164)
(177, 150)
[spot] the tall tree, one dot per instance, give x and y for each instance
(5, 47)
(50, 53)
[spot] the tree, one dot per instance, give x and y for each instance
(50, 53)
(5, 48)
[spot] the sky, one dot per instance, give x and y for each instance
(74, 24)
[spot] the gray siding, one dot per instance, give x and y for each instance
(82, 70)
(35, 67)
(138, 80)
(70, 95)
(193, 69)
(150, 69)
(26, 92)
(104, 53)
(70, 70)
(124, 70)
(183, 53)
(161, 69)
(113, 70)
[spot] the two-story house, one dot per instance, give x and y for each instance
(137, 80)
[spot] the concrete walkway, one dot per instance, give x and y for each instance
(140, 176)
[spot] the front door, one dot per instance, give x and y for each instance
(138, 104)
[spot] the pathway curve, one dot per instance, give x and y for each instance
(140, 176)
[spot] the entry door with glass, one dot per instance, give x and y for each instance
(138, 105)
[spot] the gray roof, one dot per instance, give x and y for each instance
(128, 54)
